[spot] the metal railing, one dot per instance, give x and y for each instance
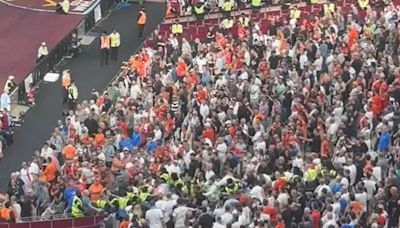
(50, 62)
(84, 222)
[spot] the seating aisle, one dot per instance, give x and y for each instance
(86, 71)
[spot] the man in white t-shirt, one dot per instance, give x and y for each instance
(155, 218)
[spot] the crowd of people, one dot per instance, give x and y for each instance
(295, 126)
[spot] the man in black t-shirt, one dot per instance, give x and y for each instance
(205, 220)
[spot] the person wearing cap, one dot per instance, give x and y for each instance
(141, 21)
(42, 51)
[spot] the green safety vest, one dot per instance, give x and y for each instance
(177, 29)
(122, 202)
(244, 21)
(72, 92)
(226, 24)
(101, 203)
(75, 207)
(311, 174)
(143, 196)
(313, 1)
(232, 189)
(363, 3)
(256, 3)
(130, 195)
(166, 177)
(179, 181)
(227, 6)
(199, 10)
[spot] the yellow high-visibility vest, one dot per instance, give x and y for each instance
(177, 29)
(101, 203)
(256, 3)
(329, 8)
(122, 202)
(115, 40)
(311, 174)
(363, 4)
(75, 207)
(244, 21)
(227, 24)
(199, 10)
(294, 14)
(313, 1)
(227, 7)
(143, 196)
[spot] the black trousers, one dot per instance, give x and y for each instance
(114, 54)
(140, 32)
(104, 53)
(71, 104)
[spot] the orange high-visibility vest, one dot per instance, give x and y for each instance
(105, 42)
(142, 18)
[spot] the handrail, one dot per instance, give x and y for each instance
(56, 54)
(236, 12)
(81, 222)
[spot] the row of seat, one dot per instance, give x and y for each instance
(199, 28)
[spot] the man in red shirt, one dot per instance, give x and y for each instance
(316, 216)
(208, 132)
(270, 210)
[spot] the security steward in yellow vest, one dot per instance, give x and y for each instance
(176, 28)
(76, 206)
(294, 13)
(72, 95)
(329, 8)
(244, 21)
(311, 176)
(115, 42)
(121, 202)
(227, 25)
(166, 177)
(102, 205)
(199, 10)
(230, 188)
(143, 194)
(227, 7)
(255, 5)
(363, 4)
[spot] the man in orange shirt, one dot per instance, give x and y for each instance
(96, 189)
(50, 170)
(99, 138)
(69, 151)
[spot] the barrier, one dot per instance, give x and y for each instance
(50, 62)
(84, 222)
